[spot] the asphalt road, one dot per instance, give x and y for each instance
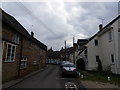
(48, 78)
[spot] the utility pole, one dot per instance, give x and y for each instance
(65, 50)
(73, 51)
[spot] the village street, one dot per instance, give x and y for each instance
(41, 42)
(48, 78)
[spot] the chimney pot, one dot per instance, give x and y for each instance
(100, 27)
(32, 34)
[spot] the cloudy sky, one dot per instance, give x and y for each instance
(55, 22)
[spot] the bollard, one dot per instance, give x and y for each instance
(108, 78)
(82, 76)
(79, 73)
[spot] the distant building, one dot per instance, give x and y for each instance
(81, 42)
(53, 55)
(22, 53)
(69, 54)
(104, 47)
(64, 54)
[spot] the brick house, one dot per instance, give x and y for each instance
(21, 52)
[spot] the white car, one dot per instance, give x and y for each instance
(63, 62)
(69, 68)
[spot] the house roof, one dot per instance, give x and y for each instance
(104, 28)
(82, 49)
(82, 40)
(13, 23)
(68, 50)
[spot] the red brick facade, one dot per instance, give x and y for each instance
(27, 47)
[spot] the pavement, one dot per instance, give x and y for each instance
(14, 82)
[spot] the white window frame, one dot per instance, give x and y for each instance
(23, 65)
(10, 53)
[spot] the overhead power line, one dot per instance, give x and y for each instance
(102, 19)
(38, 19)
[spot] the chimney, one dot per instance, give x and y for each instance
(32, 34)
(100, 27)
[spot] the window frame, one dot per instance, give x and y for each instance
(112, 58)
(10, 53)
(97, 58)
(24, 64)
(110, 36)
(96, 43)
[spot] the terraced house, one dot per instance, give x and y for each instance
(22, 53)
(104, 48)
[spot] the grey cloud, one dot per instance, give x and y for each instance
(61, 20)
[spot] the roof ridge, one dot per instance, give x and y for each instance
(12, 22)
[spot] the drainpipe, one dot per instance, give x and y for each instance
(21, 47)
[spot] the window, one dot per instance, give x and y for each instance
(118, 29)
(23, 63)
(110, 36)
(96, 42)
(16, 38)
(85, 53)
(10, 52)
(97, 58)
(112, 58)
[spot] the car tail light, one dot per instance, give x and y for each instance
(64, 69)
(75, 69)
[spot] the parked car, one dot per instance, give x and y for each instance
(47, 61)
(63, 62)
(52, 61)
(58, 62)
(69, 68)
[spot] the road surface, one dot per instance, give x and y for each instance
(48, 78)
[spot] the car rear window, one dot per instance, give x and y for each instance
(69, 65)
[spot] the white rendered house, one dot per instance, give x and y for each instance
(105, 46)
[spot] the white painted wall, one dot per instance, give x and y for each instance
(92, 52)
(119, 46)
(104, 50)
(110, 47)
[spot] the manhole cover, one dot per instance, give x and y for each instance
(70, 86)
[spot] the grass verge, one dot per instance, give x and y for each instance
(101, 77)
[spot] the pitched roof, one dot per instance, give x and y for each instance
(13, 23)
(68, 50)
(83, 40)
(104, 28)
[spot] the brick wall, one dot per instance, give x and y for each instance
(34, 54)
(35, 57)
(9, 69)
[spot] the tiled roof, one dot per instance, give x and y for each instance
(13, 23)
